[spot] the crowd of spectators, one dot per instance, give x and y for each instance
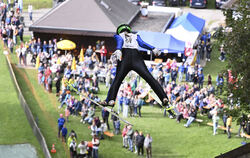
(183, 84)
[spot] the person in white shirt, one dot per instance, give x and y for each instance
(83, 149)
(96, 143)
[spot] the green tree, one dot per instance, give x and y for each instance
(237, 46)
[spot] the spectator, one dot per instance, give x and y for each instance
(30, 11)
(209, 79)
(191, 118)
(105, 116)
(215, 119)
(222, 54)
(73, 149)
(90, 116)
(60, 122)
(219, 83)
(148, 145)
(124, 138)
(229, 124)
(83, 149)
(64, 133)
(136, 133)
(96, 143)
(181, 72)
(209, 50)
(127, 99)
(129, 136)
(140, 141)
(103, 52)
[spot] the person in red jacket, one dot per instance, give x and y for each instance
(103, 52)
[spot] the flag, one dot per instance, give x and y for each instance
(37, 62)
(73, 65)
(81, 56)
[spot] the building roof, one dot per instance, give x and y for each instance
(87, 17)
(155, 22)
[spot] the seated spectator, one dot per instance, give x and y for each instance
(90, 116)
(192, 117)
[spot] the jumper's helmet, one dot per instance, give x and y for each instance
(122, 28)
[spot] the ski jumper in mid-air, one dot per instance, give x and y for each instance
(129, 58)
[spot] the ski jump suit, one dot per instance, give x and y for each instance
(128, 43)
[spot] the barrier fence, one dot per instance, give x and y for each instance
(28, 113)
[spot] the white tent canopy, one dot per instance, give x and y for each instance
(182, 34)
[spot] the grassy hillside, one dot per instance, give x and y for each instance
(15, 128)
(169, 138)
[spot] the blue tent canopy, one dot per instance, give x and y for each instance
(189, 21)
(162, 41)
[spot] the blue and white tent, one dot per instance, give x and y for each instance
(166, 43)
(186, 28)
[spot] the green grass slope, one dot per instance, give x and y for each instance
(14, 126)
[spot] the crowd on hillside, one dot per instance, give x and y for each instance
(11, 24)
(72, 74)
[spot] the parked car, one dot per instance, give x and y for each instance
(135, 2)
(173, 2)
(198, 3)
(159, 3)
(219, 3)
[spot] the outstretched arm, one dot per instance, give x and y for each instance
(119, 42)
(144, 44)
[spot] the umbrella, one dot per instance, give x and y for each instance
(66, 45)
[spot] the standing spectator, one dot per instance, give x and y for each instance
(11, 45)
(103, 52)
(89, 51)
(64, 133)
(173, 74)
(105, 116)
(120, 101)
(20, 32)
(219, 83)
(215, 119)
(140, 141)
(57, 79)
(96, 143)
(136, 133)
(209, 79)
(67, 113)
(73, 149)
(200, 79)
(209, 50)
(60, 122)
(222, 54)
(30, 11)
(224, 119)
(148, 145)
(124, 139)
(126, 105)
(83, 149)
(181, 72)
(129, 136)
(20, 5)
(229, 124)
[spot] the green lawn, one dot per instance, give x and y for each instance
(37, 4)
(14, 126)
(169, 138)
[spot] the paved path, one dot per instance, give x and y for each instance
(213, 17)
(36, 15)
